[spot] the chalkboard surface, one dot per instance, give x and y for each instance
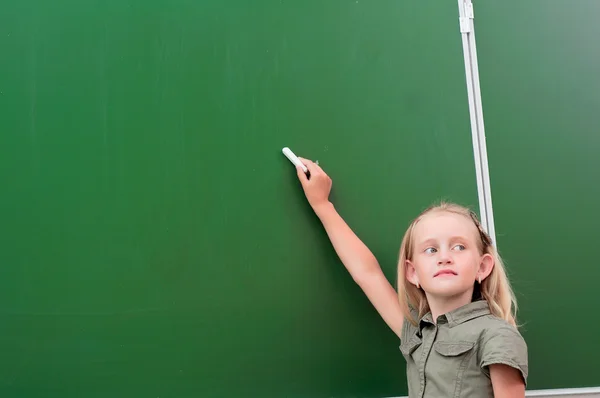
(155, 242)
(540, 88)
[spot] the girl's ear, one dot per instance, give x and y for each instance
(411, 273)
(486, 266)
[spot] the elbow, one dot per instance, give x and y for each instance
(366, 271)
(364, 278)
(360, 278)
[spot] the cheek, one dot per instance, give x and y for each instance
(422, 266)
(468, 262)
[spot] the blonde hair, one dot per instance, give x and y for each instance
(495, 289)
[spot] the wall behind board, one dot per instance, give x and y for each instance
(155, 241)
(539, 64)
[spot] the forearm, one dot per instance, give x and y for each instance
(354, 254)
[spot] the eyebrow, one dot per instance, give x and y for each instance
(452, 238)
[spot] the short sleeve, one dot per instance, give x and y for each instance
(504, 345)
(408, 329)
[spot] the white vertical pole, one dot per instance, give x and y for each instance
(467, 30)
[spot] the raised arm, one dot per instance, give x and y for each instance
(354, 254)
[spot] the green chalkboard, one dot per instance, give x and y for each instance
(539, 64)
(155, 242)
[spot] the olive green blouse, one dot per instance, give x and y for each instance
(450, 358)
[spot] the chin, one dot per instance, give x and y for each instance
(447, 294)
(449, 291)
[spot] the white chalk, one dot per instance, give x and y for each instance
(293, 158)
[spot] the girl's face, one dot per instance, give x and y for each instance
(446, 260)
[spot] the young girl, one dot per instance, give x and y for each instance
(454, 311)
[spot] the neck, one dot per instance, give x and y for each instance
(442, 305)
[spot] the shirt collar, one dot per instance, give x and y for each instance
(460, 315)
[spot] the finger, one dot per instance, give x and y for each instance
(301, 175)
(315, 166)
(310, 165)
(305, 161)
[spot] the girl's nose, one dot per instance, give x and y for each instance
(444, 258)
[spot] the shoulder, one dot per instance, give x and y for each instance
(495, 331)
(408, 335)
(408, 328)
(502, 343)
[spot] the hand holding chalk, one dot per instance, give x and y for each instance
(294, 159)
(317, 186)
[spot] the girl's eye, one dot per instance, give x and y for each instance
(459, 247)
(430, 250)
